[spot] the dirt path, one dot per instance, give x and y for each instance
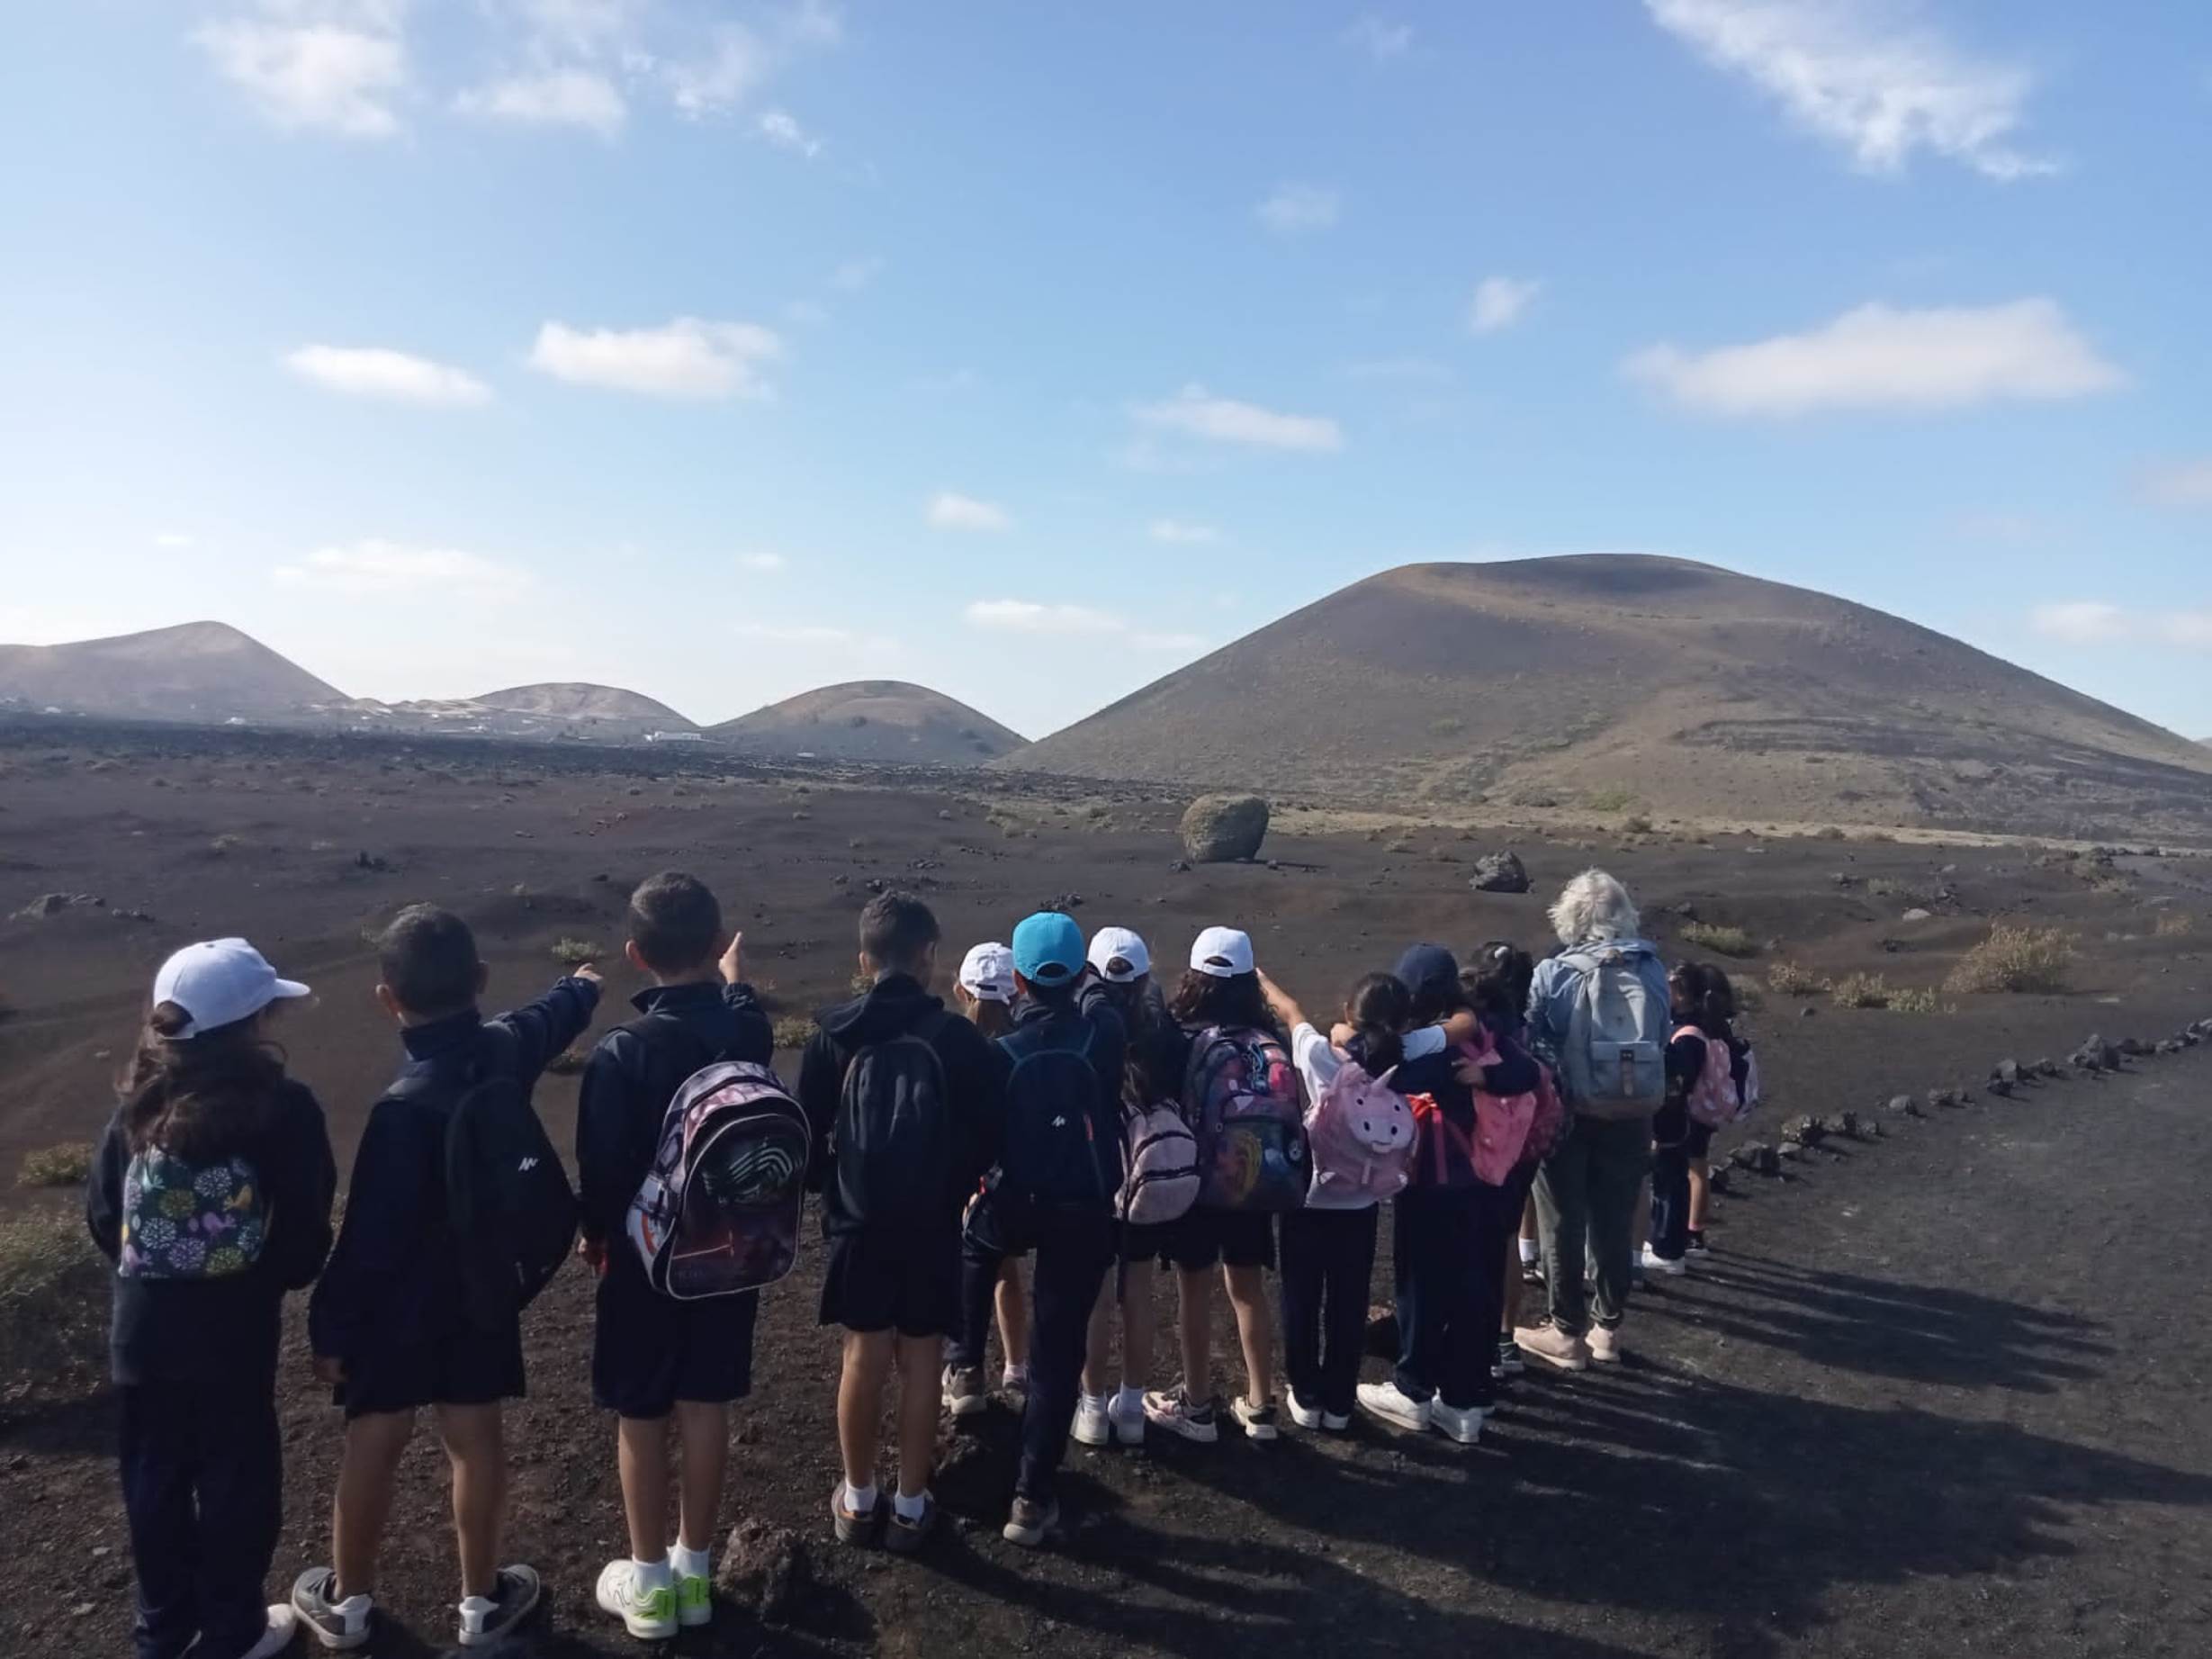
(1942, 1393)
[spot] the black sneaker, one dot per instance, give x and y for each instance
(1509, 1360)
(484, 1619)
(1697, 1245)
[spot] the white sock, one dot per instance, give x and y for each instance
(688, 1563)
(1530, 1251)
(652, 1575)
(1130, 1399)
(859, 1500)
(910, 1509)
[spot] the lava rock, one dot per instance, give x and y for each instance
(1791, 1149)
(1499, 872)
(1716, 1180)
(1804, 1131)
(2134, 1045)
(1181, 866)
(1067, 904)
(1915, 915)
(765, 1568)
(1904, 1105)
(1942, 1098)
(1224, 829)
(2107, 1054)
(2049, 1069)
(2000, 1088)
(1757, 1157)
(53, 903)
(1844, 1123)
(1807, 1012)
(2006, 1071)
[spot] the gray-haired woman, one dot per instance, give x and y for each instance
(1600, 1012)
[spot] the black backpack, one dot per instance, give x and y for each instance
(508, 1198)
(894, 1135)
(1053, 1158)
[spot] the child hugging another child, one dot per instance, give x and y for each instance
(211, 1194)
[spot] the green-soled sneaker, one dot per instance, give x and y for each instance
(694, 1600)
(648, 1611)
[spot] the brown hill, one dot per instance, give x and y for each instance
(886, 720)
(1602, 685)
(580, 701)
(197, 671)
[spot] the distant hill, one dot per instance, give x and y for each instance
(573, 699)
(1611, 684)
(204, 672)
(871, 720)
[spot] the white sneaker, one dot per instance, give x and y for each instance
(1016, 1380)
(1653, 1262)
(647, 1612)
(485, 1619)
(1305, 1416)
(1605, 1346)
(1125, 1411)
(1394, 1406)
(284, 1625)
(338, 1625)
(1258, 1421)
(1093, 1426)
(1462, 1424)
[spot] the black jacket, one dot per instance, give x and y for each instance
(170, 1329)
(975, 1073)
(393, 1279)
(635, 1073)
(1108, 1057)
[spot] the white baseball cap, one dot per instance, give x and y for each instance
(987, 973)
(1111, 945)
(1222, 952)
(219, 982)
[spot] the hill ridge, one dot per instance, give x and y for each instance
(887, 720)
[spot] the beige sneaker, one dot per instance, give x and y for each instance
(1553, 1346)
(1604, 1345)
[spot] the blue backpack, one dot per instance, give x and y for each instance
(1055, 1157)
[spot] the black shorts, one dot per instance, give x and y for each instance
(1700, 1141)
(1235, 1238)
(885, 1281)
(1151, 1243)
(474, 1368)
(649, 1351)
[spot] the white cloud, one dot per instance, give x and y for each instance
(2095, 622)
(1294, 208)
(1193, 412)
(568, 97)
(1878, 357)
(2184, 484)
(376, 569)
(732, 66)
(375, 371)
(1499, 302)
(1865, 74)
(855, 275)
(329, 65)
(172, 539)
(808, 313)
(687, 358)
(779, 128)
(950, 510)
(763, 563)
(579, 28)
(1380, 39)
(1177, 530)
(1029, 616)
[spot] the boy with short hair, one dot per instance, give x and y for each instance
(653, 1356)
(907, 1101)
(391, 1324)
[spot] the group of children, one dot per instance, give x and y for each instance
(947, 1144)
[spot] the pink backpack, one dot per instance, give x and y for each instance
(1712, 1099)
(1544, 1129)
(1504, 1123)
(1361, 1131)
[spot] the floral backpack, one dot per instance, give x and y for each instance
(183, 1220)
(1713, 1099)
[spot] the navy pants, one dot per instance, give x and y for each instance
(1448, 1293)
(202, 1477)
(1671, 1182)
(1328, 1262)
(981, 1256)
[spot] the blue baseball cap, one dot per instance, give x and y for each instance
(1048, 949)
(1430, 968)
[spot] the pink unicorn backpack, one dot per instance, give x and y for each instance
(1361, 1131)
(1713, 1098)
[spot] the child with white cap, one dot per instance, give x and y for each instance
(984, 992)
(211, 1194)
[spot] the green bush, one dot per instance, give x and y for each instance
(1790, 979)
(568, 1062)
(53, 1308)
(67, 1165)
(1726, 941)
(576, 953)
(1615, 799)
(2015, 958)
(793, 1031)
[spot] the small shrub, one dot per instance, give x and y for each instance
(1905, 999)
(1615, 799)
(1861, 990)
(2033, 960)
(861, 982)
(53, 1307)
(1791, 979)
(1637, 825)
(67, 1165)
(793, 1031)
(1726, 941)
(1827, 832)
(576, 953)
(226, 843)
(1451, 726)
(568, 1062)
(2175, 924)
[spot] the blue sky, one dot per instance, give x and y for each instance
(720, 350)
